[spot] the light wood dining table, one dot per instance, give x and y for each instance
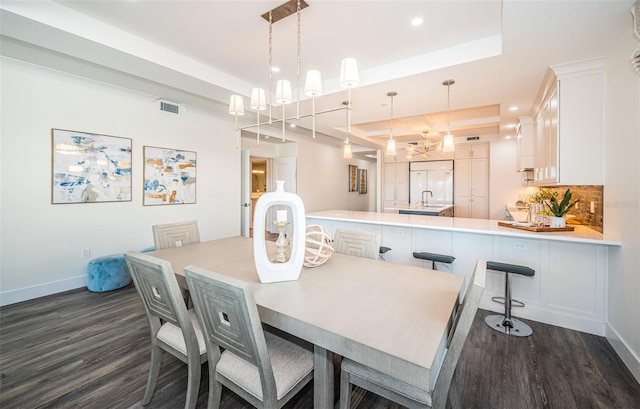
(390, 317)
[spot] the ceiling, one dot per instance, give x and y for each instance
(198, 53)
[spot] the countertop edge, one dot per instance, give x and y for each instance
(495, 230)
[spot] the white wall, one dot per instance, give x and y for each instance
(505, 184)
(323, 179)
(622, 200)
(42, 243)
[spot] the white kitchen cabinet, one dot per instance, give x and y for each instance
(569, 126)
(524, 144)
(471, 181)
(396, 184)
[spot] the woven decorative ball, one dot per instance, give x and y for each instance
(318, 247)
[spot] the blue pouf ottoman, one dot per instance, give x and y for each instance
(108, 273)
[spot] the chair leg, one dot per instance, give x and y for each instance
(345, 390)
(154, 371)
(215, 391)
(193, 384)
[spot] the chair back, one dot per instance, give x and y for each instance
(460, 329)
(357, 243)
(157, 285)
(228, 316)
(175, 234)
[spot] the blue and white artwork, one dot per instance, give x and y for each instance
(169, 176)
(90, 168)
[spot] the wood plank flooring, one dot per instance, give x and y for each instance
(91, 350)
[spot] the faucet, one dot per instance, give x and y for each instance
(422, 196)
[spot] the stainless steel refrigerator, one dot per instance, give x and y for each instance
(434, 176)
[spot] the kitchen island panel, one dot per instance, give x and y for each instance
(568, 288)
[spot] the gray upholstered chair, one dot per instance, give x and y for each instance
(175, 234)
(409, 395)
(262, 368)
(357, 243)
(173, 328)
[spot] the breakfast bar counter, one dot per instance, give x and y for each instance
(571, 267)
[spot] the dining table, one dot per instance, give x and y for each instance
(391, 317)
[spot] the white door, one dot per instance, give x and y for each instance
(245, 182)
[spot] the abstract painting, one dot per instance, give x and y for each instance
(90, 168)
(353, 178)
(169, 176)
(363, 181)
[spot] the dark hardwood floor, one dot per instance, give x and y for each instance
(91, 350)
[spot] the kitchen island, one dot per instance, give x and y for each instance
(442, 210)
(568, 288)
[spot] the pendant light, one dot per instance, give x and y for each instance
(447, 142)
(391, 143)
(347, 153)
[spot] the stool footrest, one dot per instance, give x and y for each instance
(514, 303)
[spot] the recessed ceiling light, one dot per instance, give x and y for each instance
(416, 21)
(292, 125)
(513, 108)
(275, 69)
(507, 137)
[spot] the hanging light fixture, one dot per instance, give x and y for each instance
(447, 142)
(349, 78)
(391, 143)
(259, 103)
(236, 107)
(422, 148)
(347, 152)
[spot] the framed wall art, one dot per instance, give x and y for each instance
(169, 176)
(353, 178)
(89, 168)
(362, 181)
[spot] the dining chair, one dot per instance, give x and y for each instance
(354, 373)
(173, 328)
(357, 243)
(264, 369)
(175, 234)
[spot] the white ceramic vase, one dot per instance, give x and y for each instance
(269, 271)
(557, 222)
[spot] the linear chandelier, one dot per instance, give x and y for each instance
(422, 148)
(261, 100)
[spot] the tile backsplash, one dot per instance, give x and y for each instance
(591, 198)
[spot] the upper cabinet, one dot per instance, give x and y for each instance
(472, 150)
(524, 144)
(569, 126)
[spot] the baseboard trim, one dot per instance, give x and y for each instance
(548, 317)
(630, 359)
(41, 290)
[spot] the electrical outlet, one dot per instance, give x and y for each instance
(86, 253)
(519, 246)
(399, 233)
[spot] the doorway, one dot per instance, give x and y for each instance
(259, 183)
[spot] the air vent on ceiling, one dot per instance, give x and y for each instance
(170, 107)
(473, 138)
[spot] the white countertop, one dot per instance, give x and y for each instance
(581, 234)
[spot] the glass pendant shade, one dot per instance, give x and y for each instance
(349, 75)
(347, 153)
(283, 92)
(447, 145)
(391, 147)
(236, 106)
(313, 84)
(258, 99)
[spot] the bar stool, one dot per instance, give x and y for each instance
(505, 323)
(383, 251)
(434, 258)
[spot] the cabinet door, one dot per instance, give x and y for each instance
(551, 140)
(402, 182)
(462, 183)
(390, 182)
